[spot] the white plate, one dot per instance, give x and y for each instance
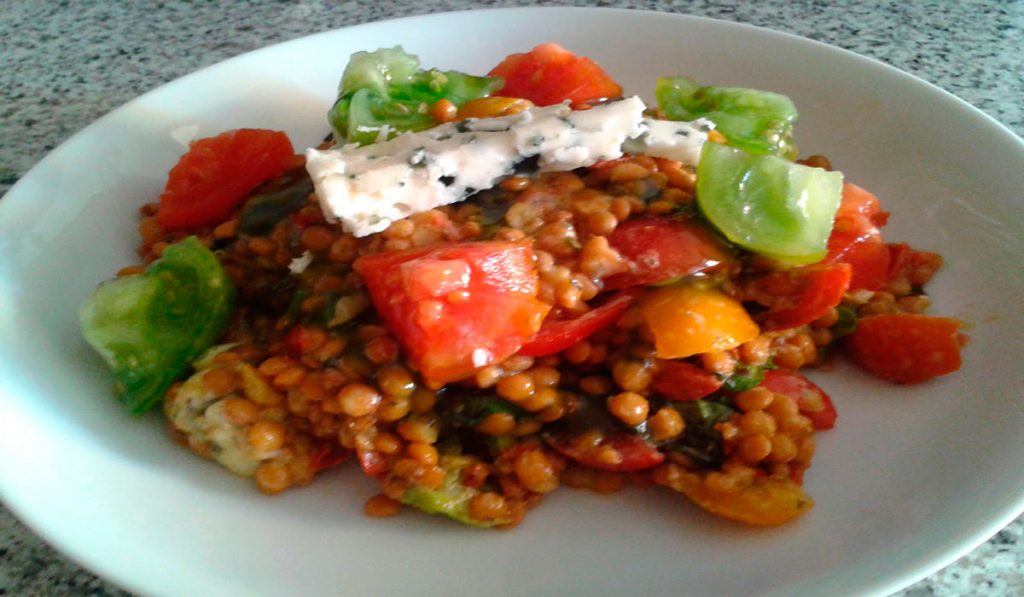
(910, 479)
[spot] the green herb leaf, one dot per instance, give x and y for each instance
(384, 92)
(846, 323)
(469, 410)
(700, 440)
(745, 377)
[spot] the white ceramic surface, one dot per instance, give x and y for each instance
(910, 479)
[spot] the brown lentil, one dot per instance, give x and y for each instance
(419, 428)
(757, 422)
(536, 472)
(358, 400)
(516, 388)
(240, 411)
(629, 407)
(755, 448)
(266, 436)
(497, 424)
(633, 376)
(754, 399)
(488, 506)
(667, 423)
(273, 477)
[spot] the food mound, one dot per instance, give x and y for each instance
(485, 287)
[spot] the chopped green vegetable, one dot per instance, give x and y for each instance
(745, 377)
(469, 410)
(846, 324)
(149, 327)
(279, 199)
(383, 92)
(452, 498)
(768, 205)
(700, 440)
(760, 122)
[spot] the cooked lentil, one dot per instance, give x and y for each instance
(311, 371)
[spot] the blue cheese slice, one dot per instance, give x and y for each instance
(367, 188)
(680, 141)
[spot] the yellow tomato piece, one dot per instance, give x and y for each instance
(689, 320)
(765, 502)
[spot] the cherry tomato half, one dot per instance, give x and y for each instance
(659, 249)
(557, 335)
(550, 74)
(216, 174)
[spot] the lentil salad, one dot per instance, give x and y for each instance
(636, 334)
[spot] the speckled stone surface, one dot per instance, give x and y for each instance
(65, 64)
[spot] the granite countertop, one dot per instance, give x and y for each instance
(67, 64)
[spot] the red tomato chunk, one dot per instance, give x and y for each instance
(660, 249)
(217, 173)
(456, 308)
(557, 335)
(906, 348)
(857, 239)
(801, 295)
(811, 400)
(679, 380)
(550, 74)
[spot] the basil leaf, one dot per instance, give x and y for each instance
(745, 377)
(700, 440)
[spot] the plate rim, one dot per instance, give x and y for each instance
(21, 510)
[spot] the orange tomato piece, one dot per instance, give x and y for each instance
(766, 502)
(689, 320)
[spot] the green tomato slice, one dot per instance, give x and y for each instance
(149, 327)
(378, 69)
(386, 92)
(757, 121)
(768, 205)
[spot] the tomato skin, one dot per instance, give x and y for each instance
(803, 294)
(215, 175)
(812, 401)
(635, 453)
(556, 336)
(550, 74)
(680, 381)
(856, 239)
(451, 324)
(660, 249)
(906, 348)
(326, 456)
